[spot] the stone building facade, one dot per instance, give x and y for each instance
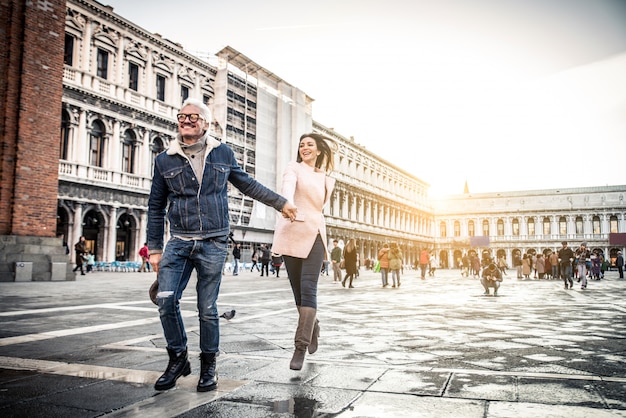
(535, 221)
(121, 90)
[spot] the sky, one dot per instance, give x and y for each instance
(507, 95)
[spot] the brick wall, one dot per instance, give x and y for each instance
(32, 38)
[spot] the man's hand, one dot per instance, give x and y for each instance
(155, 259)
(289, 211)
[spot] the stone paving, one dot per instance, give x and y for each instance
(431, 348)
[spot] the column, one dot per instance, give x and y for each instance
(78, 224)
(112, 235)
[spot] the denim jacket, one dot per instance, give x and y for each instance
(194, 210)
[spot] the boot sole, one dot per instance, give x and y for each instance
(207, 388)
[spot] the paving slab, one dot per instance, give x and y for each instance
(431, 348)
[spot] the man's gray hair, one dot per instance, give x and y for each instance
(205, 112)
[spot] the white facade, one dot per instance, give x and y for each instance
(123, 87)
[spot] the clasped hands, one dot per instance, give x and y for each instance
(289, 211)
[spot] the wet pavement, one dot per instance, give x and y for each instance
(430, 348)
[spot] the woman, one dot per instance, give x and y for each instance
(350, 261)
(526, 266)
(395, 263)
(302, 239)
(383, 258)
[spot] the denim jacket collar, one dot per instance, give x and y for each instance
(175, 147)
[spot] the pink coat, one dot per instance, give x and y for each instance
(309, 189)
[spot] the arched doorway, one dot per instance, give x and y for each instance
(443, 259)
(63, 225)
(125, 239)
(93, 224)
(458, 258)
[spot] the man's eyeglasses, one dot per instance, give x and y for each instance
(193, 117)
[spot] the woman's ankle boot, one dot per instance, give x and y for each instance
(314, 337)
(306, 322)
(178, 366)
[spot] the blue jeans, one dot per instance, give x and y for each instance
(236, 268)
(304, 274)
(566, 273)
(383, 275)
(179, 259)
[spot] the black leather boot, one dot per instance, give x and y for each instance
(208, 375)
(177, 367)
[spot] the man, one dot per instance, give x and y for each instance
(619, 262)
(424, 260)
(144, 253)
(236, 257)
(80, 249)
(554, 264)
(583, 255)
(266, 257)
(491, 277)
(190, 185)
(335, 258)
(566, 256)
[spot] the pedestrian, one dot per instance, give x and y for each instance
(349, 260)
(301, 239)
(502, 265)
(144, 253)
(517, 263)
(383, 258)
(424, 260)
(465, 260)
(596, 265)
(566, 257)
(526, 266)
(80, 250)
(433, 264)
(619, 263)
(491, 278)
(277, 262)
(236, 258)
(91, 261)
(395, 263)
(541, 266)
(266, 258)
(582, 255)
(335, 258)
(554, 264)
(255, 260)
(189, 186)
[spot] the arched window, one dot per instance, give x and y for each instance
(613, 224)
(486, 228)
(442, 230)
(500, 226)
(579, 225)
(562, 226)
(97, 144)
(515, 227)
(596, 225)
(531, 226)
(471, 229)
(457, 229)
(129, 146)
(546, 226)
(65, 135)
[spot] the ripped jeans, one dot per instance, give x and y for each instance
(179, 259)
